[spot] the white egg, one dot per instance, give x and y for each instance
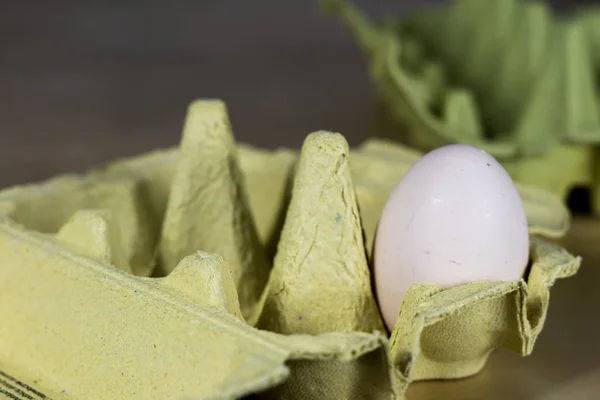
(455, 217)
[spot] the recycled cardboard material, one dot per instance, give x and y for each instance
(80, 309)
(507, 76)
(321, 258)
(207, 207)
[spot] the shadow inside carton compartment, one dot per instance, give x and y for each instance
(579, 201)
(273, 241)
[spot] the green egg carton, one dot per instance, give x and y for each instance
(218, 270)
(503, 75)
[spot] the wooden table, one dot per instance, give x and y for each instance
(82, 83)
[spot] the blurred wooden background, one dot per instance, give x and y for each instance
(82, 82)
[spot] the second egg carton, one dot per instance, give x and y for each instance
(507, 76)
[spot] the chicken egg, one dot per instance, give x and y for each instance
(455, 217)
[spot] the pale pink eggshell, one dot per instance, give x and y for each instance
(455, 217)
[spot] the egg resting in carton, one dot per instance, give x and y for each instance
(503, 75)
(83, 317)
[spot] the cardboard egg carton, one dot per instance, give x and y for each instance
(217, 270)
(507, 76)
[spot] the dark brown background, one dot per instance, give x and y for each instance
(82, 82)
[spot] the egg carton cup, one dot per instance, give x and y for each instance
(217, 270)
(504, 75)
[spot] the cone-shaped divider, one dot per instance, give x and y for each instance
(320, 280)
(461, 115)
(206, 279)
(208, 208)
(93, 233)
